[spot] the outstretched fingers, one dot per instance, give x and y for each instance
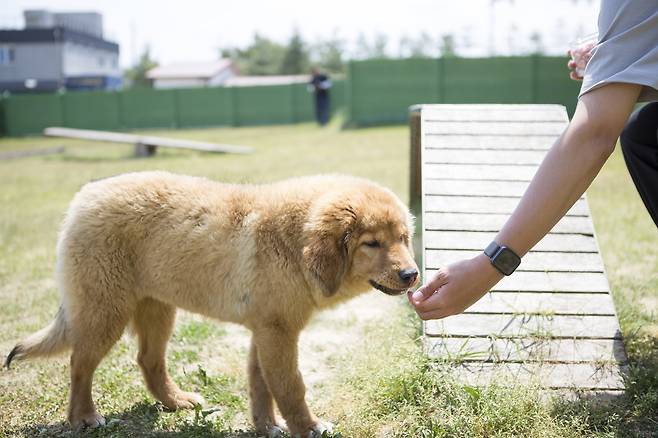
(429, 288)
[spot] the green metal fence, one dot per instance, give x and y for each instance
(375, 92)
(380, 91)
(147, 108)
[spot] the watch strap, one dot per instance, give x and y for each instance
(491, 249)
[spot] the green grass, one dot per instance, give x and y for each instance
(378, 385)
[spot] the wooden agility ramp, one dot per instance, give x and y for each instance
(552, 322)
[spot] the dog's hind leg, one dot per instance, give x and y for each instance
(93, 332)
(262, 403)
(154, 324)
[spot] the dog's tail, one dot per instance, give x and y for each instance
(48, 341)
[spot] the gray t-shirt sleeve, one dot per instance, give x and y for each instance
(627, 50)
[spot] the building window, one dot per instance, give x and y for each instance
(7, 55)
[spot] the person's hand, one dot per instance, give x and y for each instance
(580, 56)
(454, 288)
(572, 66)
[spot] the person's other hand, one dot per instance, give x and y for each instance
(455, 288)
(572, 66)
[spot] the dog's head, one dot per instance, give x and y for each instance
(360, 238)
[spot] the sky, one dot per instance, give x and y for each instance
(195, 30)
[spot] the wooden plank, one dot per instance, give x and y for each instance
(479, 172)
(549, 282)
(482, 114)
(520, 326)
(474, 188)
(452, 156)
(479, 240)
(120, 137)
(486, 142)
(552, 129)
(585, 376)
(487, 349)
(554, 282)
(472, 204)
(494, 222)
(569, 303)
(533, 261)
(509, 107)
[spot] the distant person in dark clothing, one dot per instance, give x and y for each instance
(320, 85)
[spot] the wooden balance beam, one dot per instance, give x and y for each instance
(145, 145)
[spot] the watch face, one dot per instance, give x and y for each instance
(506, 260)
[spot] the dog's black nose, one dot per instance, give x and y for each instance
(408, 275)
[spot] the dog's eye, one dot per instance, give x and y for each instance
(372, 244)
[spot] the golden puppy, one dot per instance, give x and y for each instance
(135, 247)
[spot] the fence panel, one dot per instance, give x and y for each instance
(31, 113)
(554, 85)
(303, 103)
(338, 95)
(91, 110)
(382, 90)
(148, 109)
(488, 80)
(205, 107)
(3, 118)
(272, 104)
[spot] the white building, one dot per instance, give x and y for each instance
(58, 50)
(192, 74)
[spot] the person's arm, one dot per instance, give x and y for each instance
(565, 173)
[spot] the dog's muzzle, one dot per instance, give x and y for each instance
(387, 290)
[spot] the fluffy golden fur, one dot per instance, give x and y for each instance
(135, 247)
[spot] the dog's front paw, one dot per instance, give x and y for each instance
(275, 431)
(184, 400)
(319, 428)
(91, 421)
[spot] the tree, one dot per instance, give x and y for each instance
(366, 50)
(296, 58)
(379, 46)
(447, 46)
(420, 47)
(262, 57)
(136, 75)
(328, 54)
(537, 43)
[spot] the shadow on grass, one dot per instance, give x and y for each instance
(635, 412)
(129, 157)
(142, 420)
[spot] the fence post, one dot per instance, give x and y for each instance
(349, 94)
(535, 77)
(120, 105)
(234, 105)
(3, 122)
(415, 164)
(441, 86)
(176, 99)
(293, 104)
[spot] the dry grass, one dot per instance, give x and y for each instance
(362, 362)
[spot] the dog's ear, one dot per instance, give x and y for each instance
(326, 245)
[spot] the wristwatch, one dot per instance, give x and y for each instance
(503, 258)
